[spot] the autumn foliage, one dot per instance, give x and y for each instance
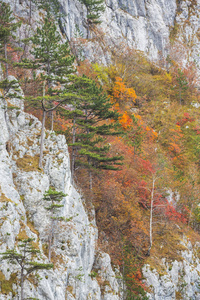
(159, 138)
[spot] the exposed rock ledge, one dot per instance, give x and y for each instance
(22, 210)
(176, 279)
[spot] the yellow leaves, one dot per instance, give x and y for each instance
(101, 73)
(138, 117)
(121, 94)
(168, 77)
(154, 134)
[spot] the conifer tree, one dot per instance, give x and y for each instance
(54, 197)
(24, 257)
(7, 29)
(8, 26)
(92, 116)
(182, 85)
(50, 6)
(94, 10)
(53, 60)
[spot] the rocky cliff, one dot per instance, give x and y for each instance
(80, 270)
(175, 279)
(149, 26)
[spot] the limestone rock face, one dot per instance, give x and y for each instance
(23, 213)
(176, 278)
(144, 25)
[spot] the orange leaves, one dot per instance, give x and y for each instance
(125, 120)
(121, 94)
(146, 129)
(175, 143)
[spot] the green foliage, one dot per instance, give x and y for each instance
(93, 121)
(182, 85)
(51, 56)
(50, 6)
(10, 89)
(94, 10)
(8, 27)
(25, 259)
(55, 198)
(93, 274)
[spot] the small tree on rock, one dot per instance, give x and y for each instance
(94, 10)
(7, 29)
(54, 198)
(54, 62)
(24, 257)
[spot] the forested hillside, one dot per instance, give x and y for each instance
(133, 131)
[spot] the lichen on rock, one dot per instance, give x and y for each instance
(23, 215)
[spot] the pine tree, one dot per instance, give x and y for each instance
(25, 259)
(50, 6)
(54, 197)
(94, 10)
(53, 60)
(92, 116)
(182, 85)
(8, 27)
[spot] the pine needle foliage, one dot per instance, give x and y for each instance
(94, 10)
(24, 257)
(8, 27)
(54, 197)
(93, 121)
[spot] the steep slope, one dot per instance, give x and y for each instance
(148, 26)
(23, 215)
(178, 279)
(144, 25)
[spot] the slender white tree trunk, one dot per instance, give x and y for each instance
(151, 217)
(42, 139)
(22, 283)
(42, 131)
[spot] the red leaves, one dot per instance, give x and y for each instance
(197, 130)
(145, 167)
(185, 119)
(174, 215)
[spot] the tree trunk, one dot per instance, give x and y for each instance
(52, 119)
(50, 239)
(6, 57)
(30, 12)
(151, 217)
(22, 283)
(123, 273)
(42, 130)
(88, 26)
(73, 149)
(42, 139)
(90, 179)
